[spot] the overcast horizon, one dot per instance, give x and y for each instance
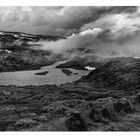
(104, 30)
(65, 21)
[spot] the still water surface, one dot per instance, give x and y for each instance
(54, 76)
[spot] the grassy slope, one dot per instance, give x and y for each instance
(26, 58)
(49, 107)
(118, 73)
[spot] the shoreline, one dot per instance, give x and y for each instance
(30, 68)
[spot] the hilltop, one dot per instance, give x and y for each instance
(13, 36)
(16, 52)
(118, 73)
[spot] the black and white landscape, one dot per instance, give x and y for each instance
(70, 68)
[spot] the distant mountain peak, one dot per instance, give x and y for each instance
(13, 36)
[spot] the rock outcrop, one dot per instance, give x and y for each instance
(117, 73)
(75, 122)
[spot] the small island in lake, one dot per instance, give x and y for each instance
(67, 72)
(42, 73)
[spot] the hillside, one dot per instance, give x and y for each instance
(68, 108)
(80, 62)
(16, 52)
(13, 36)
(118, 73)
(107, 99)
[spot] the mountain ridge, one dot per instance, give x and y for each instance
(12, 36)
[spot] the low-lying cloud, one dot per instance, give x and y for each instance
(89, 40)
(112, 35)
(106, 31)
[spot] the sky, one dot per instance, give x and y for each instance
(105, 30)
(64, 21)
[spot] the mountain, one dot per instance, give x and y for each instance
(118, 73)
(13, 36)
(80, 62)
(107, 99)
(17, 53)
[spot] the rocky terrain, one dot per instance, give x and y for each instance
(13, 36)
(107, 99)
(118, 73)
(16, 52)
(80, 62)
(68, 108)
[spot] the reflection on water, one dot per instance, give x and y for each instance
(54, 76)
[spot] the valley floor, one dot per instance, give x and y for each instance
(68, 107)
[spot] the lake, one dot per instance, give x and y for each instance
(54, 76)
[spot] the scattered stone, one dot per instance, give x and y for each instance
(25, 124)
(99, 102)
(96, 114)
(138, 98)
(103, 113)
(6, 93)
(41, 118)
(75, 122)
(123, 105)
(60, 109)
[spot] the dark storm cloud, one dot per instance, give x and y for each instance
(117, 26)
(54, 20)
(113, 31)
(108, 31)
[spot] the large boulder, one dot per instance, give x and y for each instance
(102, 110)
(96, 114)
(108, 109)
(75, 122)
(103, 113)
(138, 97)
(123, 104)
(98, 102)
